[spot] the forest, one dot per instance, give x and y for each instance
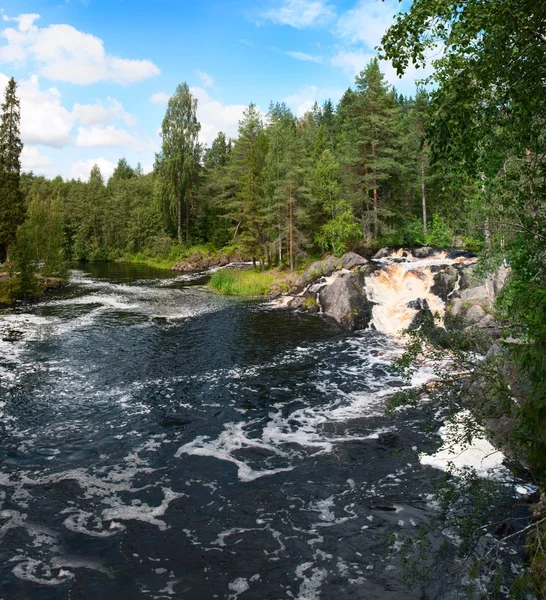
(284, 189)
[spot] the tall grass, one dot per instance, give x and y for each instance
(242, 282)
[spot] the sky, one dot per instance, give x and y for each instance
(95, 76)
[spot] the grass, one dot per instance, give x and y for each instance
(156, 262)
(250, 282)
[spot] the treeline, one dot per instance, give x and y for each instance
(355, 173)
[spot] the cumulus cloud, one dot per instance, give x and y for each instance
(367, 22)
(32, 160)
(303, 100)
(111, 136)
(160, 98)
(304, 57)
(300, 14)
(63, 53)
(206, 80)
(354, 62)
(101, 113)
(215, 116)
(82, 168)
(44, 119)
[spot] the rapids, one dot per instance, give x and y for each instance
(159, 441)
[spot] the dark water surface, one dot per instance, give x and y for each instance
(159, 441)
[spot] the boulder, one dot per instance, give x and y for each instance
(454, 254)
(345, 301)
(445, 282)
(321, 268)
(383, 253)
(481, 294)
(198, 262)
(307, 303)
(418, 304)
(474, 315)
(423, 252)
(351, 260)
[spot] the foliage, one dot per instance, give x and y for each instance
(338, 232)
(177, 163)
(11, 199)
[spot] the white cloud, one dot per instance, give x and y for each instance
(206, 80)
(354, 62)
(101, 113)
(305, 57)
(302, 101)
(160, 98)
(215, 116)
(32, 160)
(63, 53)
(110, 136)
(301, 13)
(44, 119)
(25, 21)
(367, 22)
(82, 168)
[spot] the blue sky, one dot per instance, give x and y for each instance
(95, 75)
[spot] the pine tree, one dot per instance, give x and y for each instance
(248, 210)
(11, 197)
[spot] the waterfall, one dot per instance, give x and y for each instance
(399, 284)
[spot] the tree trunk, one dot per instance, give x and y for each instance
(291, 232)
(423, 193)
(487, 233)
(367, 201)
(375, 212)
(179, 219)
(188, 215)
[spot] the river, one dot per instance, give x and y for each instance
(160, 441)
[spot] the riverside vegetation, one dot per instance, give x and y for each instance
(465, 160)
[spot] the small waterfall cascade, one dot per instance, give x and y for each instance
(399, 289)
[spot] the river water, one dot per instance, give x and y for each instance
(159, 441)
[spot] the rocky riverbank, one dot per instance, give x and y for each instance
(394, 288)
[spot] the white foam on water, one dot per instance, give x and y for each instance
(456, 453)
(239, 586)
(91, 525)
(313, 578)
(142, 511)
(396, 284)
(38, 572)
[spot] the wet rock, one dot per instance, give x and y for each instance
(419, 304)
(321, 268)
(445, 283)
(306, 302)
(351, 260)
(345, 301)
(454, 254)
(199, 262)
(383, 253)
(423, 252)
